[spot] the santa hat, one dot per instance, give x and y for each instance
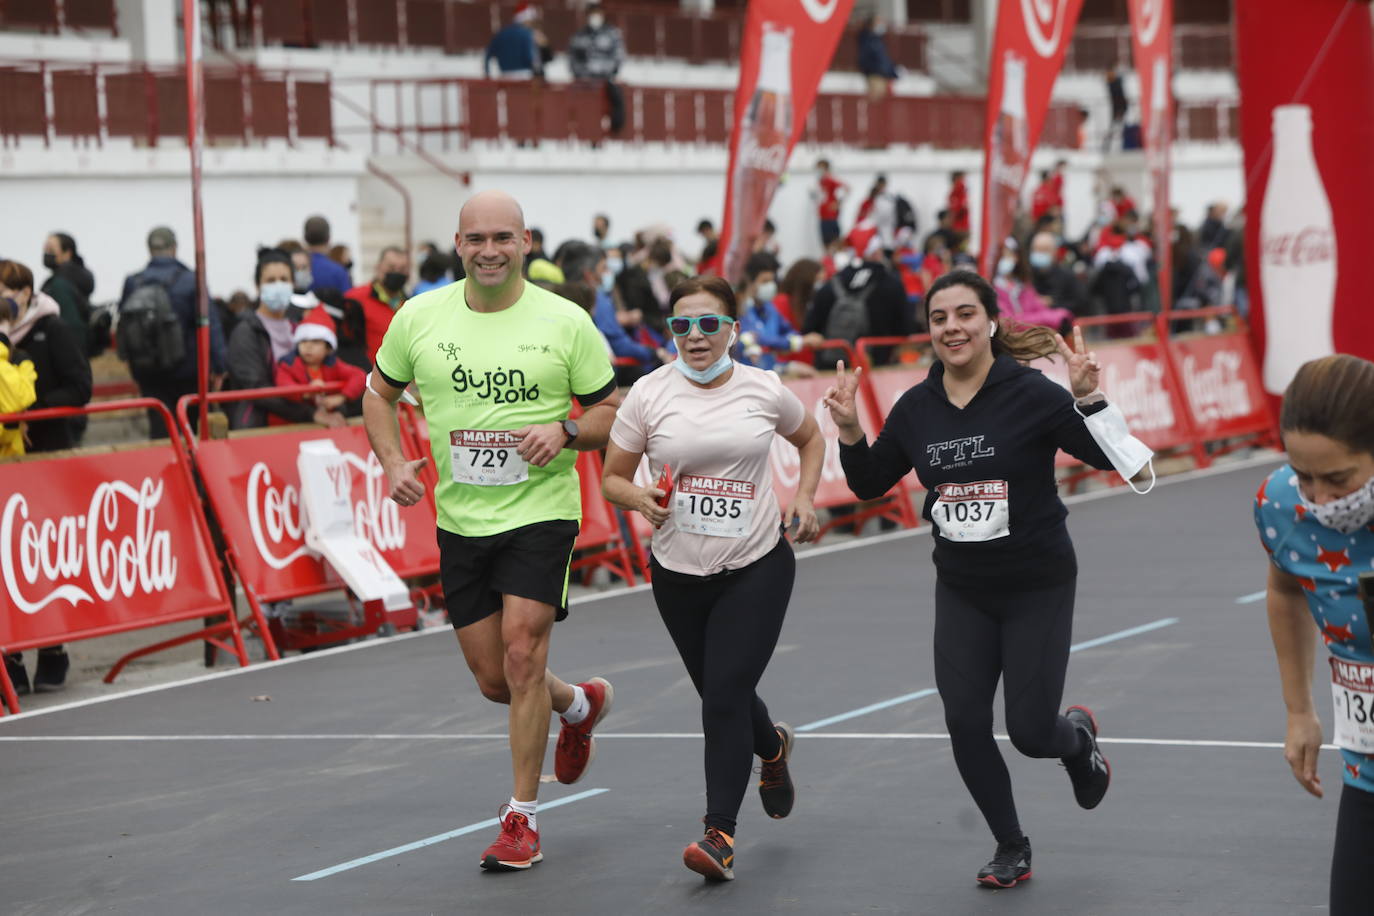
(525, 12)
(317, 325)
(864, 240)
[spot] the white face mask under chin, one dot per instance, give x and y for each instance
(1348, 514)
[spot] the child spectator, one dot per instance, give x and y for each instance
(314, 363)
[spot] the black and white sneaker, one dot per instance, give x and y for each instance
(1089, 771)
(1009, 866)
(775, 782)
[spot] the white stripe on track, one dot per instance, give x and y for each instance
(1252, 597)
(632, 736)
(1269, 458)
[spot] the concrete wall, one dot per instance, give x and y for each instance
(108, 200)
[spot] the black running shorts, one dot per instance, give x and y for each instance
(529, 562)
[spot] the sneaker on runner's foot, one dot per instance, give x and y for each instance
(712, 856)
(576, 747)
(517, 848)
(1010, 865)
(775, 782)
(1089, 771)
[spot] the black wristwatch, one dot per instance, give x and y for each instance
(569, 430)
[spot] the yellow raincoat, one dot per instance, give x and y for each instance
(16, 394)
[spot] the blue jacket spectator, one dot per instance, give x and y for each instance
(326, 273)
(514, 48)
(761, 325)
(622, 344)
(873, 57)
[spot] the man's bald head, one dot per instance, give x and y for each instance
(1045, 242)
(490, 207)
(492, 241)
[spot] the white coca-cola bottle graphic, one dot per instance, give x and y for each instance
(1010, 153)
(1297, 253)
(764, 137)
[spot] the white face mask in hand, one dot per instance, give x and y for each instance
(1127, 453)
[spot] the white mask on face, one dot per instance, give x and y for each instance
(1005, 265)
(711, 372)
(276, 296)
(1348, 514)
(596, 20)
(767, 291)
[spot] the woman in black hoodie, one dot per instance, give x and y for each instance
(981, 432)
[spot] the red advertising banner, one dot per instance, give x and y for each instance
(1152, 38)
(1307, 126)
(885, 387)
(1027, 55)
(786, 461)
(1222, 384)
(786, 49)
(254, 486)
(100, 544)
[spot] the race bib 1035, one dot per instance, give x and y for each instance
(714, 506)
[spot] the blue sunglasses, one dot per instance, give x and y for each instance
(708, 324)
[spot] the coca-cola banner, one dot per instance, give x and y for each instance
(106, 543)
(1222, 384)
(786, 49)
(1027, 55)
(1307, 126)
(254, 487)
(1152, 27)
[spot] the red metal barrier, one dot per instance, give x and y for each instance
(97, 102)
(252, 484)
(92, 545)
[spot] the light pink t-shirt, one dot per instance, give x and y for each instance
(717, 442)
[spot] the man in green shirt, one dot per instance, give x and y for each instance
(496, 361)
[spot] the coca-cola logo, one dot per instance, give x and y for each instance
(786, 460)
(1149, 16)
(820, 10)
(115, 548)
(1309, 245)
(1217, 392)
(1141, 396)
(770, 159)
(1044, 24)
(274, 512)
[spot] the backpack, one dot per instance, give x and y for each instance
(848, 318)
(148, 335)
(906, 214)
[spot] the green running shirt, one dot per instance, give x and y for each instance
(482, 372)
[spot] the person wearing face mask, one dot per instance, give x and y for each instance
(261, 338)
(1017, 298)
(380, 299)
(71, 283)
(763, 331)
(982, 431)
(171, 384)
(31, 327)
(1315, 516)
(1055, 282)
(595, 54)
(583, 263)
(722, 570)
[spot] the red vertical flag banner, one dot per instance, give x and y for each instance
(1152, 38)
(786, 49)
(1307, 126)
(1027, 55)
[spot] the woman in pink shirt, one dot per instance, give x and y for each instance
(722, 571)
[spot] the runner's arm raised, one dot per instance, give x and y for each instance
(1295, 637)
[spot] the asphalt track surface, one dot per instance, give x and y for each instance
(199, 798)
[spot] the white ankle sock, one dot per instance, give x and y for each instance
(580, 707)
(526, 808)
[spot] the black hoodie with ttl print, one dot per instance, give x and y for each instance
(988, 469)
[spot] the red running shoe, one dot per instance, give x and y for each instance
(576, 747)
(712, 856)
(517, 848)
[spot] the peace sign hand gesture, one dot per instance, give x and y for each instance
(1083, 365)
(841, 399)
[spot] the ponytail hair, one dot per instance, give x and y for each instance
(1331, 397)
(1022, 342)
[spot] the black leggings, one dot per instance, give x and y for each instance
(1354, 852)
(1023, 637)
(726, 628)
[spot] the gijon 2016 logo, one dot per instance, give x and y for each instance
(503, 386)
